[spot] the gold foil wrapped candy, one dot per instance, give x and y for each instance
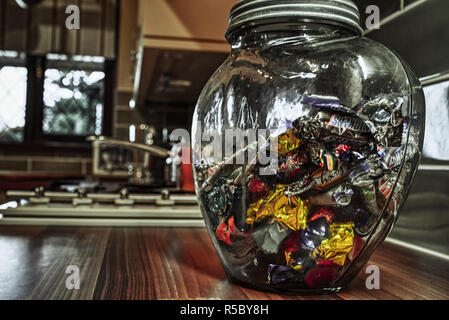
(291, 262)
(290, 212)
(288, 142)
(338, 245)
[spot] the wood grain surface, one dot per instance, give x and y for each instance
(174, 263)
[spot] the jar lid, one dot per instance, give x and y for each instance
(342, 12)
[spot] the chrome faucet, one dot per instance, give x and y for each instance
(137, 174)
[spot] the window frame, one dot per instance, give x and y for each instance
(425, 160)
(34, 139)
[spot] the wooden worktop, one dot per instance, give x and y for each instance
(170, 263)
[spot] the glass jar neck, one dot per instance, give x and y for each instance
(284, 33)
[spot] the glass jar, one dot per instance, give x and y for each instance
(305, 143)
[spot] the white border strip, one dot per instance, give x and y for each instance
(418, 248)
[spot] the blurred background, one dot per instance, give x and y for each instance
(131, 74)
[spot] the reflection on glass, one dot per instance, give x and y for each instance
(73, 100)
(436, 139)
(13, 91)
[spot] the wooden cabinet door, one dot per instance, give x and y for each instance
(187, 19)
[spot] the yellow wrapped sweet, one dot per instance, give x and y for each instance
(290, 212)
(338, 245)
(288, 142)
(291, 262)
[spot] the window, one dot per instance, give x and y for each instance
(56, 84)
(436, 144)
(73, 96)
(54, 97)
(13, 91)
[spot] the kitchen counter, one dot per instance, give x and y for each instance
(174, 263)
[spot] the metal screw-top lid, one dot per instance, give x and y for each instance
(255, 12)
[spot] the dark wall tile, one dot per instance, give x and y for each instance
(57, 167)
(13, 165)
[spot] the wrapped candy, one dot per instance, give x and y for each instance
(264, 207)
(222, 200)
(237, 210)
(279, 274)
(381, 116)
(368, 194)
(288, 142)
(218, 199)
(292, 212)
(224, 231)
(369, 171)
(392, 158)
(257, 189)
(386, 186)
(299, 260)
(329, 162)
(326, 102)
(269, 235)
(323, 180)
(313, 235)
(293, 165)
(323, 212)
(322, 275)
(342, 148)
(338, 245)
(256, 186)
(342, 195)
(291, 243)
(358, 245)
(353, 140)
(342, 124)
(364, 222)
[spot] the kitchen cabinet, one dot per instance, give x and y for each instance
(128, 34)
(185, 24)
(180, 44)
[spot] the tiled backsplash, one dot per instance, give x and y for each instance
(24, 165)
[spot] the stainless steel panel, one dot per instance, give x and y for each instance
(420, 36)
(424, 219)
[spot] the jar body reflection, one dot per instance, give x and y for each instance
(305, 143)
